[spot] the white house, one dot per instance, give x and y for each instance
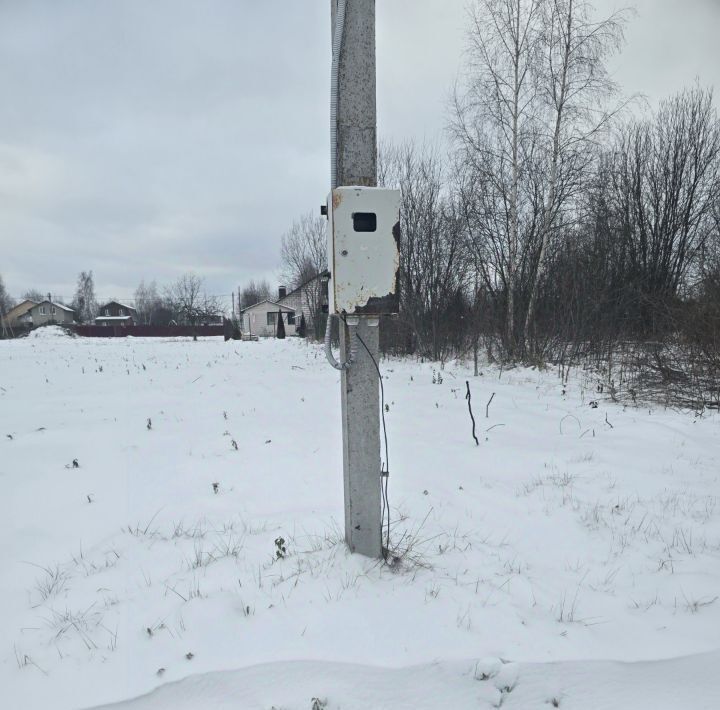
(262, 318)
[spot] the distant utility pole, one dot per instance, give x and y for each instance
(356, 164)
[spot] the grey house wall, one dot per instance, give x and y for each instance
(61, 316)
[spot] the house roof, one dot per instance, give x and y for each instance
(305, 283)
(57, 305)
(21, 308)
(267, 300)
(118, 303)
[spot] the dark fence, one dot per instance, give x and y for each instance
(15, 331)
(148, 331)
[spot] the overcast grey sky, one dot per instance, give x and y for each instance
(146, 138)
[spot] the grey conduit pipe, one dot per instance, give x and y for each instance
(337, 41)
(328, 346)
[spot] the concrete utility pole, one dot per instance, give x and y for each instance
(357, 165)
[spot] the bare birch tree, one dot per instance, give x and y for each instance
(33, 294)
(253, 293)
(495, 125)
(304, 249)
(573, 100)
(189, 300)
(432, 268)
(533, 107)
(84, 302)
(147, 302)
(6, 303)
(666, 188)
(304, 258)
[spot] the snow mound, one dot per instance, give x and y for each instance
(689, 682)
(49, 332)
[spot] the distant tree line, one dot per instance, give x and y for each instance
(183, 302)
(566, 224)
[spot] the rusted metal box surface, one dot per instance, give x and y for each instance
(363, 250)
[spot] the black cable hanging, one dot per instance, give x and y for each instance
(384, 467)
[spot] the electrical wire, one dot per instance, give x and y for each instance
(384, 468)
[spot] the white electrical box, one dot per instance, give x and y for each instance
(363, 256)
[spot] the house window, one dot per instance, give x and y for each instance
(107, 312)
(121, 311)
(271, 318)
(290, 318)
(43, 311)
(53, 310)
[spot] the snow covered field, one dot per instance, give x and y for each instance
(571, 560)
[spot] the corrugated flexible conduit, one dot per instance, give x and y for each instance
(337, 42)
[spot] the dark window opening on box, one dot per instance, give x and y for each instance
(364, 221)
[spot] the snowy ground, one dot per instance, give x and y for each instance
(571, 560)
